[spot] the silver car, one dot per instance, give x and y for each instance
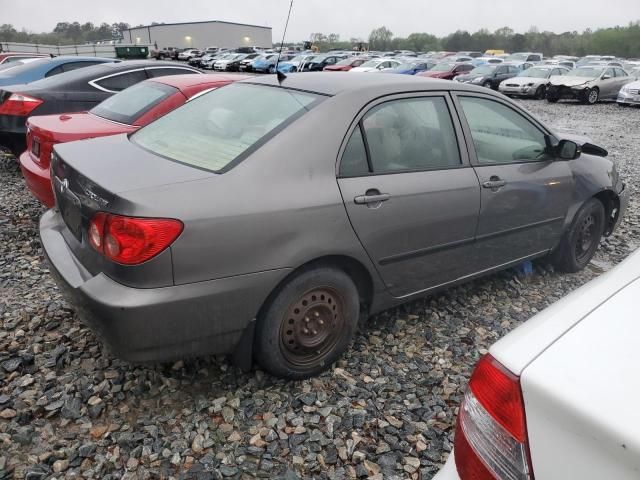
(219, 228)
(532, 82)
(588, 84)
(629, 94)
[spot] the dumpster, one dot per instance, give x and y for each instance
(132, 52)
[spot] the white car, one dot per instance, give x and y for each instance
(556, 398)
(629, 94)
(531, 82)
(221, 63)
(376, 65)
(188, 54)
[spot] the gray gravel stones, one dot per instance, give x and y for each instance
(386, 410)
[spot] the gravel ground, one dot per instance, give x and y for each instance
(387, 410)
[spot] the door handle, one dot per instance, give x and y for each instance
(371, 197)
(494, 183)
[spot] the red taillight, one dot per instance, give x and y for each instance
(491, 436)
(131, 240)
(19, 105)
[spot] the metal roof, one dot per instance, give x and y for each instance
(194, 23)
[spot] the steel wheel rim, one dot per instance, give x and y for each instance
(312, 326)
(586, 237)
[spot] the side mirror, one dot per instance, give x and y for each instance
(606, 77)
(567, 150)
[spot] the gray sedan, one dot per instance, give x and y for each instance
(588, 84)
(531, 82)
(220, 228)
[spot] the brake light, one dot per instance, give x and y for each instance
(19, 105)
(491, 436)
(131, 240)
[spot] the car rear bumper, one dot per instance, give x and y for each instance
(449, 471)
(38, 179)
(156, 324)
(12, 124)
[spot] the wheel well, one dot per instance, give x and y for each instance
(611, 204)
(352, 267)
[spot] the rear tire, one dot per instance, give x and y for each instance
(581, 240)
(308, 324)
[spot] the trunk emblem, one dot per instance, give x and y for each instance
(64, 185)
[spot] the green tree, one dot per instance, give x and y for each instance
(380, 39)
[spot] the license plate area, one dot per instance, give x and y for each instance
(70, 208)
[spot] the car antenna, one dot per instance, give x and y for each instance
(281, 76)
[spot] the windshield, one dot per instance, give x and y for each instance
(371, 64)
(128, 105)
(586, 72)
(442, 67)
(535, 73)
(521, 57)
(483, 70)
(215, 129)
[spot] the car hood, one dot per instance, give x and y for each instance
(118, 165)
(525, 81)
(467, 77)
(72, 126)
(338, 68)
(569, 81)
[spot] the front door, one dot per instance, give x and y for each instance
(526, 192)
(410, 193)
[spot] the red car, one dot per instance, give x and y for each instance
(124, 112)
(447, 70)
(345, 65)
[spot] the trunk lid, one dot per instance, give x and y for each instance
(580, 396)
(74, 126)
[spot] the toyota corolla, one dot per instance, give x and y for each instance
(216, 229)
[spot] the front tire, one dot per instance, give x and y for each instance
(541, 92)
(591, 96)
(308, 324)
(581, 240)
(487, 84)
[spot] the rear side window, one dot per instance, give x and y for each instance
(54, 71)
(411, 134)
(163, 72)
(128, 105)
(119, 82)
(354, 159)
(68, 67)
(215, 130)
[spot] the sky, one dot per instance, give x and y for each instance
(349, 18)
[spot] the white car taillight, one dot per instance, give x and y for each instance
(491, 436)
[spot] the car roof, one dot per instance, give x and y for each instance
(338, 83)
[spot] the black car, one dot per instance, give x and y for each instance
(318, 62)
(489, 76)
(74, 91)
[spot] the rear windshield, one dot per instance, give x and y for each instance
(216, 129)
(128, 105)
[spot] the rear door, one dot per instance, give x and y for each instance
(410, 192)
(526, 192)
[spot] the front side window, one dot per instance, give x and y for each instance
(127, 106)
(500, 134)
(119, 82)
(213, 130)
(411, 134)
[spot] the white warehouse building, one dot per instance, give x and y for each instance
(200, 35)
